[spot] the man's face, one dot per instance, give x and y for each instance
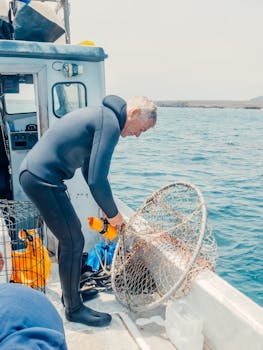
(136, 126)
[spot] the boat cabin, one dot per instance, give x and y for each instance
(40, 83)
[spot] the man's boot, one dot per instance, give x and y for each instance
(87, 316)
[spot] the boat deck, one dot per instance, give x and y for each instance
(121, 334)
(231, 320)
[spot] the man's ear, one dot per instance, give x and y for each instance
(135, 112)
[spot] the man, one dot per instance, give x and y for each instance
(84, 139)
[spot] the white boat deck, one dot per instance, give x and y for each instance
(231, 320)
(121, 334)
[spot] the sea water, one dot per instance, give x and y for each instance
(221, 152)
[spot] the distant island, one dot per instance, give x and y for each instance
(254, 103)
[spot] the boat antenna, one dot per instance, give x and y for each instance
(66, 8)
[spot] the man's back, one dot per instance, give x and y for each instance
(68, 144)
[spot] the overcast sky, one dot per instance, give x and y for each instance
(176, 49)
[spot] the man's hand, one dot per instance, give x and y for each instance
(117, 221)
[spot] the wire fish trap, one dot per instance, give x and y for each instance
(164, 245)
(23, 257)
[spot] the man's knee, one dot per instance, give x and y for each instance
(75, 244)
(78, 244)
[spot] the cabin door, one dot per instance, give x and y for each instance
(23, 112)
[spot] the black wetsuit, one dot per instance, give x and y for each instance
(84, 139)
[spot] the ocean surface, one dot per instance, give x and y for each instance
(221, 152)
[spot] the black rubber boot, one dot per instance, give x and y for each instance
(87, 295)
(90, 317)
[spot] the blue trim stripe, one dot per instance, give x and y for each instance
(30, 49)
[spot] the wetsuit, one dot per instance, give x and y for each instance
(84, 139)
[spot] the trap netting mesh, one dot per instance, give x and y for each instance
(23, 256)
(164, 245)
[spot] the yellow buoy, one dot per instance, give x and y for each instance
(103, 227)
(87, 43)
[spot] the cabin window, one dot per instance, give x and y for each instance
(19, 94)
(67, 97)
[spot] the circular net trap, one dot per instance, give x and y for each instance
(164, 245)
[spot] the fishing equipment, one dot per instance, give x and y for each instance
(25, 258)
(100, 256)
(96, 266)
(103, 227)
(27, 266)
(162, 248)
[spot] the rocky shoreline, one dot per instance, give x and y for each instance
(250, 104)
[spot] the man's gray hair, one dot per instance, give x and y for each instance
(147, 107)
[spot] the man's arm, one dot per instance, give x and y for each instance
(96, 170)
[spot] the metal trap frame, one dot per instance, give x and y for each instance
(165, 244)
(23, 256)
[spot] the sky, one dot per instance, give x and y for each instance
(176, 49)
